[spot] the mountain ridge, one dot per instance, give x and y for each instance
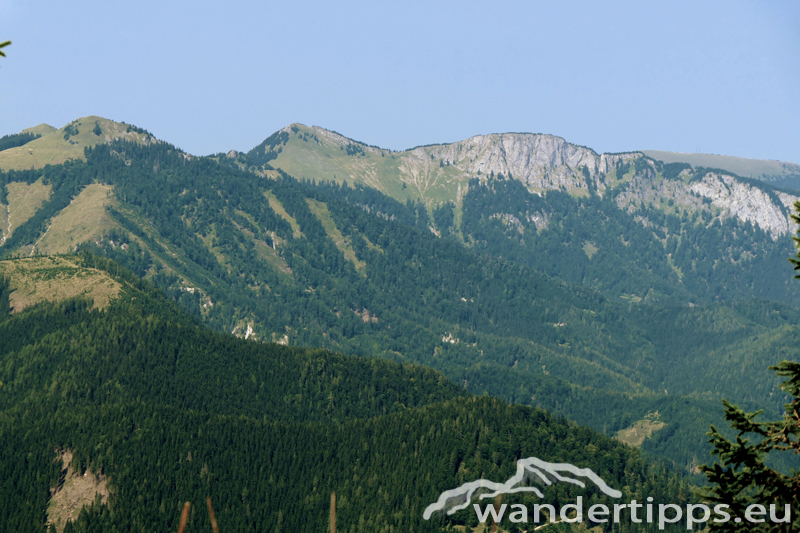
(276, 259)
(56, 146)
(440, 173)
(779, 173)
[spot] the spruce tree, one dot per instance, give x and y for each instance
(741, 479)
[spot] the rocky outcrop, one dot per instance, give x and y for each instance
(546, 162)
(642, 190)
(770, 210)
(542, 162)
(748, 202)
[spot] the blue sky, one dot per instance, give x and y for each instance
(718, 77)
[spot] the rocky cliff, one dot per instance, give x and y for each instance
(542, 162)
(441, 172)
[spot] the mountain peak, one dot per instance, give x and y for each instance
(58, 145)
(41, 129)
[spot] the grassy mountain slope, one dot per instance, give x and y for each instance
(55, 279)
(779, 173)
(41, 129)
(58, 145)
(316, 153)
(167, 411)
(440, 173)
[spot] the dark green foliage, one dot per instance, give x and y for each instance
(71, 129)
(796, 259)
(118, 246)
(715, 261)
(444, 217)
(171, 412)
(741, 478)
(17, 139)
(354, 149)
(137, 129)
(5, 291)
(371, 201)
(486, 317)
(671, 171)
(789, 183)
(268, 150)
(642, 167)
(97, 131)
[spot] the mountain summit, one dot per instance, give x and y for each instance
(54, 146)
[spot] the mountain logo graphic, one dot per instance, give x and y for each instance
(530, 470)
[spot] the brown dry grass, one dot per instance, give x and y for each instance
(84, 219)
(23, 202)
(74, 492)
(636, 434)
(38, 279)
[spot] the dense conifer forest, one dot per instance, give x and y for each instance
(349, 269)
(169, 411)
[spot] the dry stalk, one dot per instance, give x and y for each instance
(184, 517)
(211, 515)
(333, 512)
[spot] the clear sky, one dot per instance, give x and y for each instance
(719, 77)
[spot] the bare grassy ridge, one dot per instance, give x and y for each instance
(23, 202)
(38, 279)
(405, 175)
(84, 219)
(748, 168)
(57, 146)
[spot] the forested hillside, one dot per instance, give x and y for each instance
(607, 316)
(158, 410)
(664, 231)
(673, 256)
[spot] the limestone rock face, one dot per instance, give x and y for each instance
(542, 162)
(747, 202)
